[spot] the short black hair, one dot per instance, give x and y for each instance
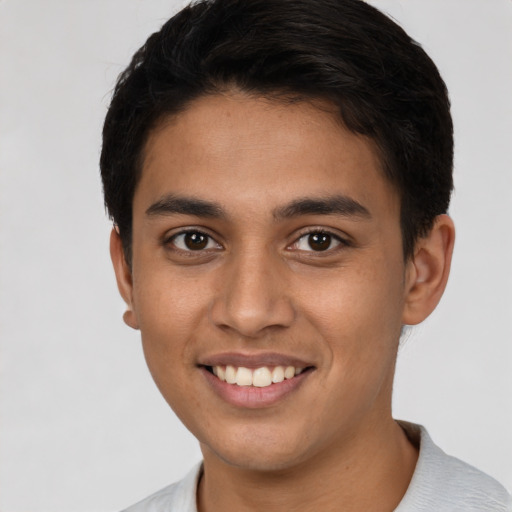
(381, 82)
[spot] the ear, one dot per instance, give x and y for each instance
(428, 270)
(123, 277)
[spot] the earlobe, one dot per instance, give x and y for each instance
(123, 278)
(130, 319)
(428, 271)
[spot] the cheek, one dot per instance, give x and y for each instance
(360, 322)
(167, 301)
(358, 314)
(170, 311)
(357, 301)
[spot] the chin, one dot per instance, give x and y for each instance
(257, 452)
(258, 461)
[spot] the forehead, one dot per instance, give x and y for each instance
(265, 150)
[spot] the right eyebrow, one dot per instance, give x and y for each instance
(172, 204)
(331, 205)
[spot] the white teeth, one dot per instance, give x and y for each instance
(230, 374)
(244, 377)
(278, 374)
(221, 373)
(260, 377)
(289, 372)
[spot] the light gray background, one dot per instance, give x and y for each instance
(83, 427)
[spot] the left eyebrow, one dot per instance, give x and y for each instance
(171, 205)
(331, 205)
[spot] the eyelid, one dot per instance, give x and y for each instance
(343, 241)
(169, 238)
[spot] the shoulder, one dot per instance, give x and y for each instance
(444, 483)
(178, 496)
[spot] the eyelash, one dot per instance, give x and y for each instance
(334, 238)
(339, 241)
(171, 242)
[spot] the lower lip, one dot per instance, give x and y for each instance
(253, 397)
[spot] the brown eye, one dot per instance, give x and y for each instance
(195, 241)
(319, 241)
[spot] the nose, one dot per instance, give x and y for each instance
(253, 296)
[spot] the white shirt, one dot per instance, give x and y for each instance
(440, 483)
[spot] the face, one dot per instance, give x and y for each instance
(267, 280)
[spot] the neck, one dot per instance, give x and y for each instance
(371, 473)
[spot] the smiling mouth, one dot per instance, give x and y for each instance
(258, 377)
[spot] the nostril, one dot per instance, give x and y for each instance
(253, 316)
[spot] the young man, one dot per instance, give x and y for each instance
(279, 174)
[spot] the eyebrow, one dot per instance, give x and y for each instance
(171, 205)
(331, 205)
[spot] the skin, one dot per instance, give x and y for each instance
(259, 286)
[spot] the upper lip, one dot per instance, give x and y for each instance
(256, 360)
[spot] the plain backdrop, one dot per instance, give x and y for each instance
(83, 427)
